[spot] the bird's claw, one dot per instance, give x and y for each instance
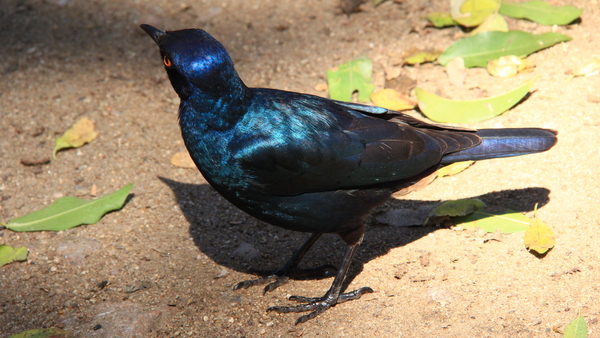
(274, 281)
(283, 275)
(318, 305)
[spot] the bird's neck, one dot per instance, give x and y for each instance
(210, 112)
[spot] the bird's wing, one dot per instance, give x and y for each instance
(292, 143)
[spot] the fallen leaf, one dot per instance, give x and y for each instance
(478, 49)
(443, 110)
(35, 162)
(494, 22)
(43, 333)
(540, 12)
(457, 208)
(79, 134)
(441, 19)
(590, 69)
(539, 237)
(508, 66)
(454, 168)
(508, 221)
(418, 57)
(349, 77)
(474, 12)
(183, 159)
(68, 212)
(577, 328)
(391, 99)
(9, 254)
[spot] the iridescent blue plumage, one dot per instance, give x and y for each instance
(307, 163)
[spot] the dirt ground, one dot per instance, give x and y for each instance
(176, 238)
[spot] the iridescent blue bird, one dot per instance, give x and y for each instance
(307, 163)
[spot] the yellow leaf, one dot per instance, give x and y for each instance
(391, 99)
(454, 168)
(183, 160)
(494, 22)
(508, 66)
(472, 13)
(539, 237)
(79, 134)
(422, 56)
(591, 68)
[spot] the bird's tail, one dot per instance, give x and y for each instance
(504, 143)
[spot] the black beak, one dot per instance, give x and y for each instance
(154, 32)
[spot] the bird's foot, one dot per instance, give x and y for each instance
(318, 305)
(283, 275)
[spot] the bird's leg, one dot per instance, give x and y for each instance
(290, 269)
(333, 296)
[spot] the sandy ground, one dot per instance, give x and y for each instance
(176, 239)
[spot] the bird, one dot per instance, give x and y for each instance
(308, 163)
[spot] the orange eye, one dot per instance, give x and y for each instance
(167, 61)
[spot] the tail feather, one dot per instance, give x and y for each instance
(504, 143)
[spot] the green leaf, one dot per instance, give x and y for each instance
(478, 49)
(474, 12)
(539, 237)
(577, 328)
(443, 110)
(540, 12)
(350, 77)
(508, 221)
(457, 208)
(441, 19)
(68, 212)
(454, 168)
(44, 333)
(9, 254)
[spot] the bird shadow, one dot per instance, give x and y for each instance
(219, 230)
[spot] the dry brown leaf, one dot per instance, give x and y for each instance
(183, 160)
(391, 99)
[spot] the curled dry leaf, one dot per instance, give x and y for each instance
(508, 66)
(79, 134)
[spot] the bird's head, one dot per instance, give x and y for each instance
(195, 61)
